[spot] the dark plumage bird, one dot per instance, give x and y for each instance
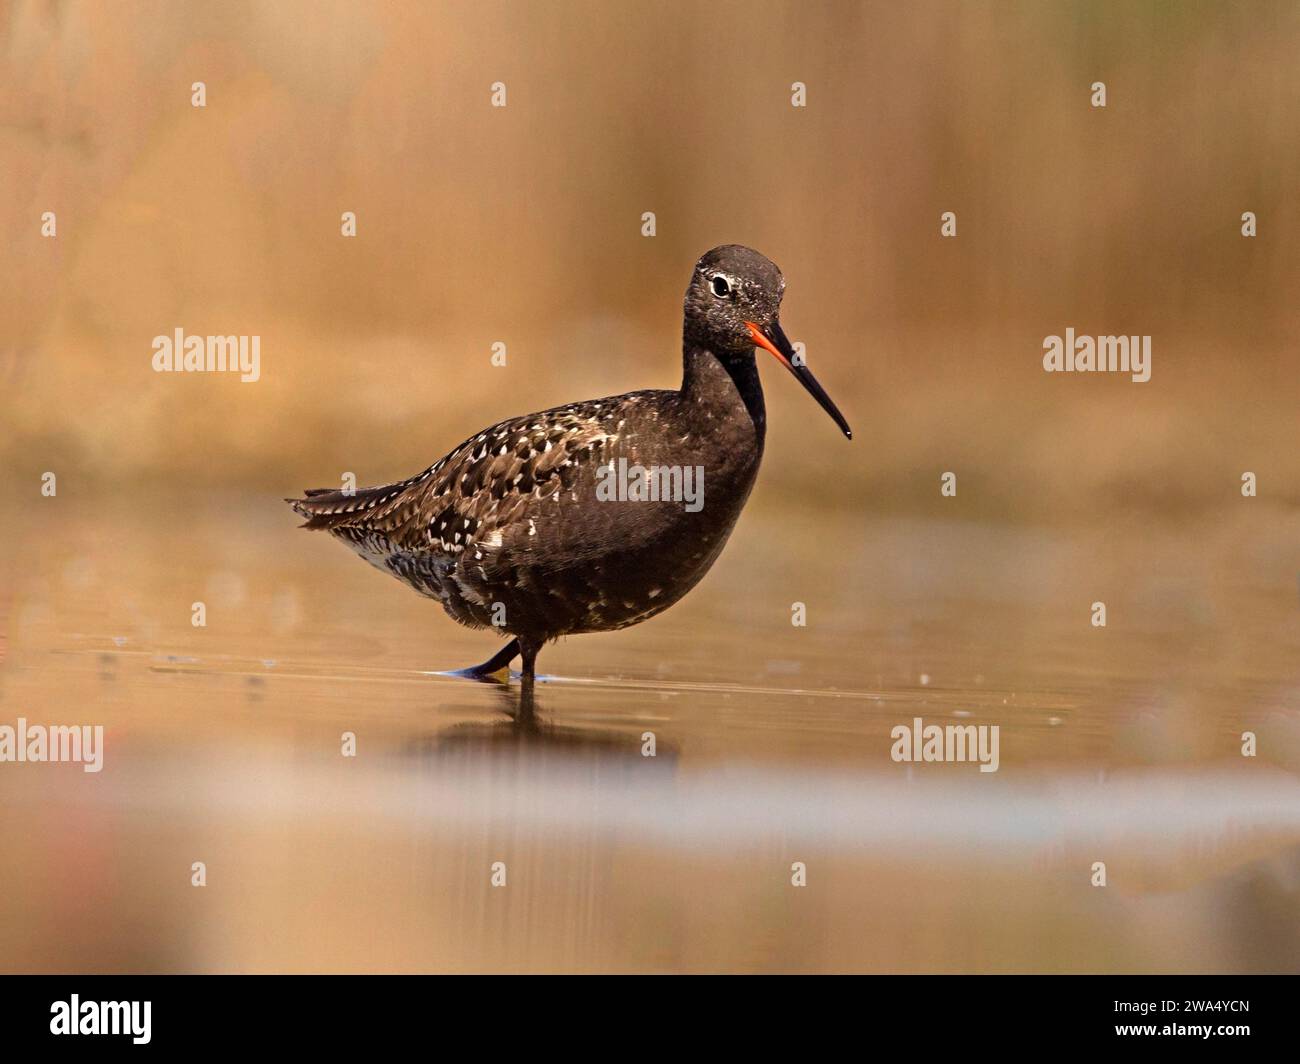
(593, 516)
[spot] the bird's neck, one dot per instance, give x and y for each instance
(726, 390)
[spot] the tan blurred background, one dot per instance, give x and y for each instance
(522, 225)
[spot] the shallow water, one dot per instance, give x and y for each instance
(772, 746)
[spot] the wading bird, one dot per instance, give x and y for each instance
(514, 529)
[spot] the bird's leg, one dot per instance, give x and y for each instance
(528, 650)
(495, 666)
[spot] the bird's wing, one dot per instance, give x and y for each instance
(481, 488)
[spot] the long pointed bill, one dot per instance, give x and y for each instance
(774, 340)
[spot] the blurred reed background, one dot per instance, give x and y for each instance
(522, 225)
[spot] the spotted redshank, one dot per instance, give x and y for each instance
(597, 515)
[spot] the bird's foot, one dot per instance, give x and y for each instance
(495, 670)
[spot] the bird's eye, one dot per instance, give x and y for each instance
(720, 286)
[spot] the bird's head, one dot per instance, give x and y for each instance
(733, 305)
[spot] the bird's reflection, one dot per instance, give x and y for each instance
(526, 725)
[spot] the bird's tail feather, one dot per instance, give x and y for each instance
(331, 507)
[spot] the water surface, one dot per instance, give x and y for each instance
(772, 744)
